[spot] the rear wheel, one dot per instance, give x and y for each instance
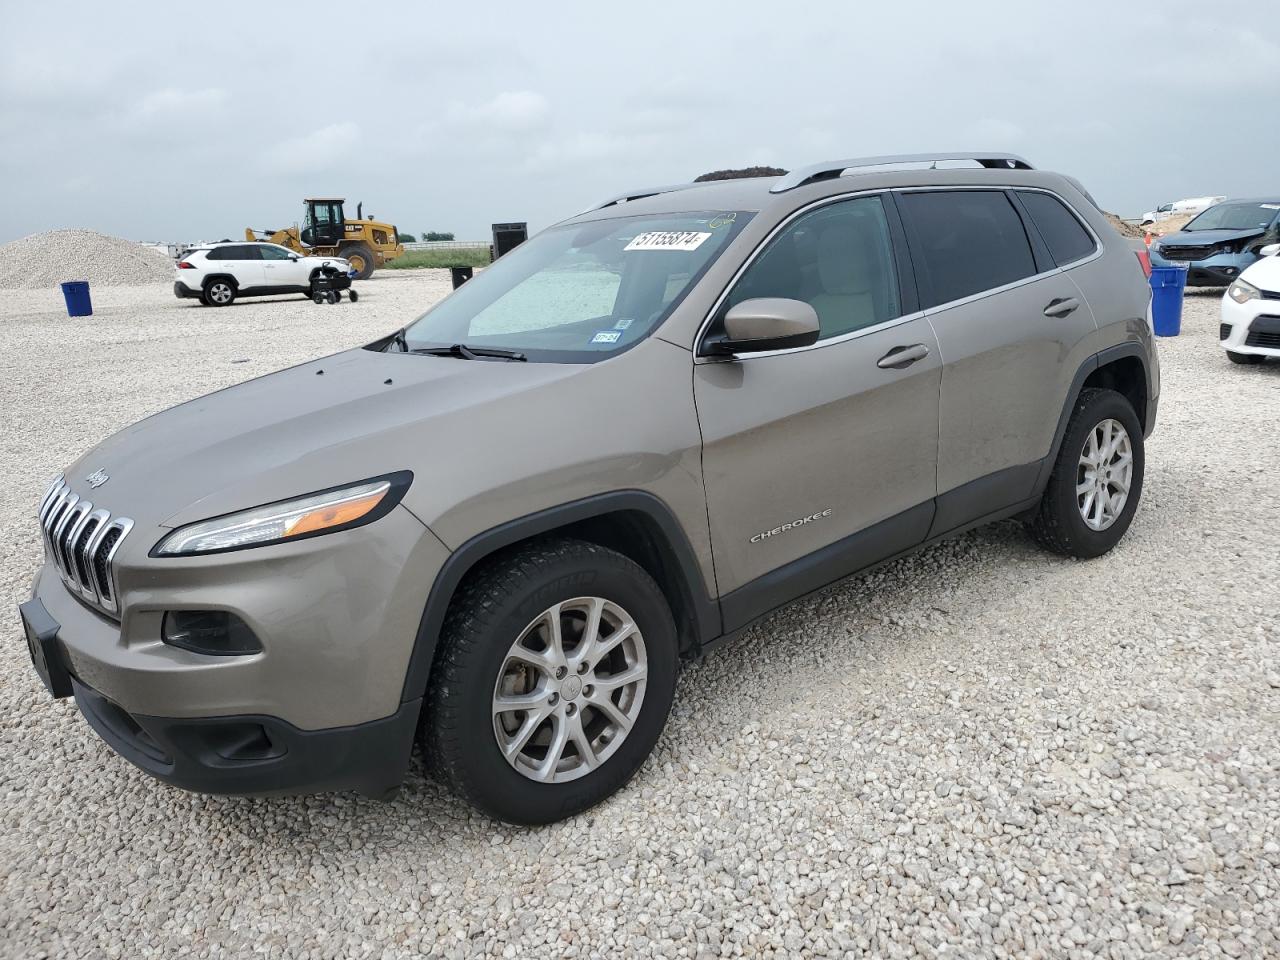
(555, 676)
(219, 293)
(1096, 481)
(1244, 358)
(361, 259)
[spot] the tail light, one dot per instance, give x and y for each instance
(183, 265)
(1144, 258)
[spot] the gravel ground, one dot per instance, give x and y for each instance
(981, 750)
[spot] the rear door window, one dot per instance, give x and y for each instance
(1062, 231)
(964, 242)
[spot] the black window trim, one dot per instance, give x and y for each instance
(907, 290)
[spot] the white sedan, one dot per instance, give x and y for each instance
(1250, 330)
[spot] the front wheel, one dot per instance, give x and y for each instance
(361, 259)
(1096, 481)
(554, 681)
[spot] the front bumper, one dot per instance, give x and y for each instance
(1215, 271)
(320, 707)
(1251, 328)
(257, 755)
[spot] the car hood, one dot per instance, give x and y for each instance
(1265, 274)
(332, 421)
(1204, 238)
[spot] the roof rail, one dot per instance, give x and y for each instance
(641, 194)
(830, 169)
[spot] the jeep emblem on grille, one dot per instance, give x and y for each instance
(97, 478)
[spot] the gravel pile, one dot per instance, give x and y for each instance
(47, 259)
(978, 751)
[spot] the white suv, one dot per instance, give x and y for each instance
(219, 273)
(1250, 330)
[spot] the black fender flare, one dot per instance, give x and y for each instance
(706, 623)
(1130, 348)
(220, 276)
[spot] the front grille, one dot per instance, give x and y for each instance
(1264, 331)
(1224, 331)
(1262, 338)
(82, 542)
(1270, 294)
(1187, 253)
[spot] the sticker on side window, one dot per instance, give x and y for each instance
(668, 240)
(607, 336)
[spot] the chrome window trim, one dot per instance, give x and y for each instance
(1099, 250)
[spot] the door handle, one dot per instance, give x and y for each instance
(900, 357)
(1061, 306)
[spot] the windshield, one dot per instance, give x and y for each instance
(580, 292)
(1235, 216)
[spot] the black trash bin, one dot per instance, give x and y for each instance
(460, 275)
(506, 237)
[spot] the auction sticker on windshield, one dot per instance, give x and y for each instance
(668, 240)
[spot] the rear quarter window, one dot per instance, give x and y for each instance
(1062, 231)
(965, 241)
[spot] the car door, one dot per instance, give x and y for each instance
(1008, 322)
(821, 459)
(244, 262)
(282, 269)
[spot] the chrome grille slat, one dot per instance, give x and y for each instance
(82, 542)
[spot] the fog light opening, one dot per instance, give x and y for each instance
(214, 633)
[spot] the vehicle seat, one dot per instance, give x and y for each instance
(849, 273)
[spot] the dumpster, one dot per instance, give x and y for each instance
(1167, 285)
(460, 275)
(76, 293)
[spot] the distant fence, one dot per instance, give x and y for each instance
(447, 245)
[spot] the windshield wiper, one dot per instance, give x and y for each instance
(463, 352)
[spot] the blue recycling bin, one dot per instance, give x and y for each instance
(76, 293)
(1167, 285)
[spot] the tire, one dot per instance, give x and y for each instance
(1247, 359)
(353, 295)
(1059, 523)
(507, 605)
(360, 253)
(219, 293)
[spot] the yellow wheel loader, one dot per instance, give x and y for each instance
(326, 232)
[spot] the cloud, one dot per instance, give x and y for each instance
(168, 101)
(514, 111)
(318, 150)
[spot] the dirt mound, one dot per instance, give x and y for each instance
(47, 259)
(1170, 225)
(1124, 229)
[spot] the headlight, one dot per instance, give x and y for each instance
(309, 516)
(1241, 291)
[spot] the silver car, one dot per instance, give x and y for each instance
(500, 529)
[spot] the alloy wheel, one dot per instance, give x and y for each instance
(1104, 474)
(570, 689)
(219, 293)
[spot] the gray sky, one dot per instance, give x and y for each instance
(187, 121)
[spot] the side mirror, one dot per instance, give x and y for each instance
(1270, 250)
(294, 257)
(767, 323)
